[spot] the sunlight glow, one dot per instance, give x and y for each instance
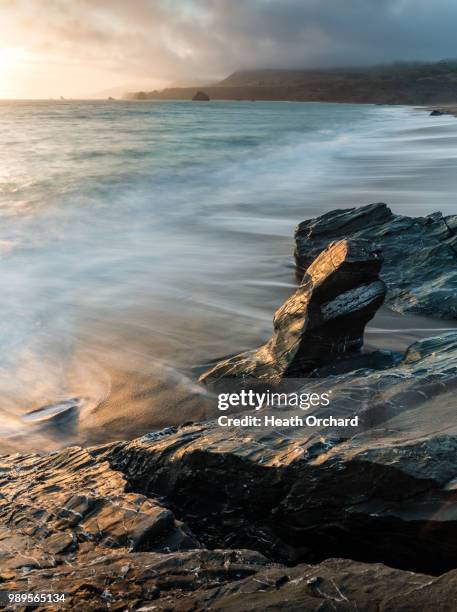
(11, 60)
(10, 57)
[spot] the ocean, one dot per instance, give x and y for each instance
(141, 241)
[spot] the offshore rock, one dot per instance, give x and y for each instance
(420, 253)
(201, 96)
(321, 322)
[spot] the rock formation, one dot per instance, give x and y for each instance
(420, 253)
(322, 321)
(205, 517)
(201, 96)
(381, 492)
(315, 516)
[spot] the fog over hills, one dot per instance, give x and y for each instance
(397, 83)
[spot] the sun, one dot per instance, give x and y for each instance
(10, 57)
(11, 61)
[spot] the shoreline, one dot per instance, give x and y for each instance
(278, 507)
(125, 375)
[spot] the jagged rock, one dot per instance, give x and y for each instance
(67, 525)
(123, 580)
(381, 492)
(420, 253)
(57, 506)
(322, 321)
(334, 585)
(233, 580)
(125, 524)
(201, 96)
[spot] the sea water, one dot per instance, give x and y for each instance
(141, 241)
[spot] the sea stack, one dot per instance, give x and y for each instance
(201, 96)
(323, 321)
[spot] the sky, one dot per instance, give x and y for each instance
(86, 48)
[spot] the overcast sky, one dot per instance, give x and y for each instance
(50, 48)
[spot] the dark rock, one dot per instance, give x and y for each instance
(381, 492)
(201, 96)
(233, 580)
(436, 113)
(126, 523)
(322, 321)
(420, 253)
(63, 414)
(68, 525)
(130, 580)
(166, 521)
(334, 585)
(55, 507)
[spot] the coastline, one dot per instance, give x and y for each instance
(285, 498)
(152, 369)
(296, 508)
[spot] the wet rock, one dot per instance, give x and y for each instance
(166, 520)
(383, 491)
(321, 322)
(57, 506)
(201, 96)
(336, 584)
(233, 580)
(436, 113)
(420, 253)
(122, 580)
(67, 525)
(58, 419)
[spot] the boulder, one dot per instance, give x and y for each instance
(436, 113)
(321, 322)
(420, 253)
(201, 96)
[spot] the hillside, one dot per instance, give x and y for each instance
(399, 83)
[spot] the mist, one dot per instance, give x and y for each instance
(54, 47)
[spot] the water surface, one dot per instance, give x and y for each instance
(142, 240)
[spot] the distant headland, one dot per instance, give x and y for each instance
(398, 83)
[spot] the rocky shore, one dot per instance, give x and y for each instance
(420, 254)
(203, 517)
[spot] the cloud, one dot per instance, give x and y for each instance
(166, 40)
